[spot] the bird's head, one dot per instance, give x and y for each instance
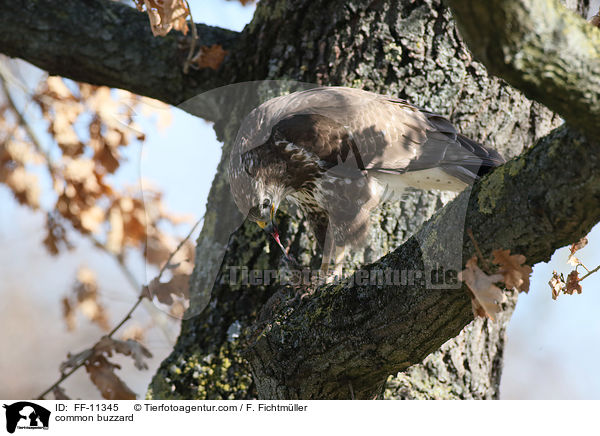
(266, 202)
(258, 193)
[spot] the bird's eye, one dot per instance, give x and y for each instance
(266, 203)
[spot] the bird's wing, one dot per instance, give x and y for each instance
(396, 137)
(382, 133)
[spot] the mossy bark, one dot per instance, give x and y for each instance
(552, 54)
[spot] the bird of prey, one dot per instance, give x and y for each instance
(338, 152)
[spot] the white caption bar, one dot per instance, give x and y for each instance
(297, 417)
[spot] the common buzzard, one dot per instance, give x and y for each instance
(338, 152)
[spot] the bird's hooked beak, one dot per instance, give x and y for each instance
(271, 229)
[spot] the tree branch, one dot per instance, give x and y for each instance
(360, 334)
(541, 48)
(107, 43)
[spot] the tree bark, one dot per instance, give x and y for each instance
(349, 339)
(552, 55)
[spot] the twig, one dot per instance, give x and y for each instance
(24, 123)
(119, 259)
(479, 253)
(590, 272)
(188, 236)
(60, 380)
(186, 65)
(127, 316)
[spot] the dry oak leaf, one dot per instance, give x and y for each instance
(209, 57)
(486, 297)
(128, 347)
(578, 245)
(557, 284)
(513, 269)
(178, 285)
(24, 186)
(21, 152)
(158, 247)
(572, 260)
(102, 374)
(165, 15)
(135, 332)
(573, 283)
(85, 299)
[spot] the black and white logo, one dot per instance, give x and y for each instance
(26, 415)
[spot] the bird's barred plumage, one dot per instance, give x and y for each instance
(334, 151)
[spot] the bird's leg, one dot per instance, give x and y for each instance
(338, 265)
(325, 263)
(335, 253)
(328, 252)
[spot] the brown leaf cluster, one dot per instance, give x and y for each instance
(85, 299)
(570, 286)
(89, 124)
(486, 297)
(56, 234)
(164, 292)
(102, 371)
(17, 156)
(165, 15)
(87, 128)
(573, 249)
(514, 271)
(209, 57)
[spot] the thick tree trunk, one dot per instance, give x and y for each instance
(407, 49)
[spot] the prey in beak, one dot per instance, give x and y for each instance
(271, 229)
